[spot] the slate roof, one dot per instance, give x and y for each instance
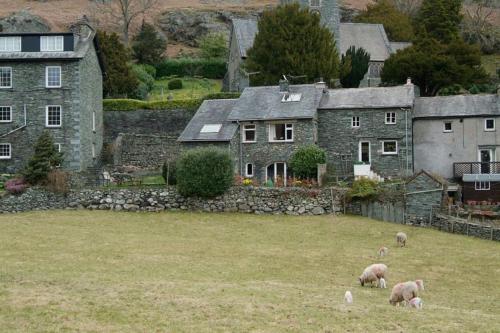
(264, 103)
(371, 37)
(245, 31)
(457, 106)
(211, 112)
(369, 98)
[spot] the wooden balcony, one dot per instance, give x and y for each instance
(475, 168)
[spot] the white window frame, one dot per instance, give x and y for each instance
(355, 122)
(389, 119)
(9, 86)
(246, 170)
(482, 185)
(389, 153)
(245, 130)
(272, 132)
(57, 47)
(285, 174)
(10, 44)
(10, 114)
(486, 123)
(10, 151)
(47, 68)
(93, 121)
(47, 116)
(444, 127)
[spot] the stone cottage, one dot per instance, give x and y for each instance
(371, 37)
(53, 82)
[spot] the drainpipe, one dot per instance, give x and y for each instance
(241, 150)
(406, 143)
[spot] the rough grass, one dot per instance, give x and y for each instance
(191, 88)
(85, 271)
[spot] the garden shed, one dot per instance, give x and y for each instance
(424, 191)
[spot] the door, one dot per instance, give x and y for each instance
(485, 157)
(364, 152)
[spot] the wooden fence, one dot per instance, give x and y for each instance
(384, 211)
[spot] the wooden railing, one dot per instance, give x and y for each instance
(475, 168)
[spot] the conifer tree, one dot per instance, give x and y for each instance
(45, 158)
(440, 19)
(292, 41)
(148, 46)
(354, 65)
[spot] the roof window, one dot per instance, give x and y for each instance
(289, 97)
(211, 128)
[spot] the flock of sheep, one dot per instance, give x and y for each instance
(403, 292)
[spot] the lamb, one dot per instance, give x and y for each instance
(373, 273)
(383, 251)
(405, 291)
(348, 297)
(416, 302)
(401, 239)
(382, 283)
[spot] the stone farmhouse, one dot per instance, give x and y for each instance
(50, 81)
(371, 37)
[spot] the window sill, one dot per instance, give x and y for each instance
(248, 141)
(5, 121)
(53, 87)
(447, 131)
(280, 141)
(389, 154)
(5, 158)
(391, 123)
(6, 88)
(490, 130)
(50, 126)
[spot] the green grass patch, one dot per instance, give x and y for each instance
(68, 271)
(153, 180)
(491, 63)
(191, 88)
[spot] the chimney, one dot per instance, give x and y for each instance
(284, 85)
(408, 81)
(320, 84)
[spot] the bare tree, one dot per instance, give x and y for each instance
(477, 26)
(122, 13)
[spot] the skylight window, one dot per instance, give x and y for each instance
(211, 128)
(290, 97)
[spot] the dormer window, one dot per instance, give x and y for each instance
(290, 97)
(211, 128)
(51, 43)
(10, 44)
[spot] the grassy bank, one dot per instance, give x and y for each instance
(85, 271)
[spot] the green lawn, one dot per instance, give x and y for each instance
(84, 271)
(192, 88)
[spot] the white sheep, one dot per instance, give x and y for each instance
(401, 239)
(348, 297)
(416, 302)
(382, 284)
(405, 291)
(382, 252)
(373, 273)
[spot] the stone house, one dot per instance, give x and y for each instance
(368, 129)
(371, 37)
(53, 82)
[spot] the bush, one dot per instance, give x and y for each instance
(146, 81)
(168, 172)
(363, 188)
(58, 181)
(175, 84)
(213, 45)
(150, 69)
(204, 172)
(15, 186)
(304, 161)
(45, 159)
(208, 68)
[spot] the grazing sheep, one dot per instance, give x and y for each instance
(401, 239)
(383, 251)
(416, 302)
(348, 297)
(405, 291)
(382, 283)
(373, 273)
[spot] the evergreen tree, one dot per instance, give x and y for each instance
(439, 19)
(148, 46)
(397, 24)
(213, 46)
(292, 41)
(433, 65)
(119, 81)
(354, 65)
(45, 158)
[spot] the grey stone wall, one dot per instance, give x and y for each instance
(460, 226)
(338, 138)
(290, 201)
(423, 194)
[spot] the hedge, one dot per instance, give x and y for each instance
(134, 104)
(207, 68)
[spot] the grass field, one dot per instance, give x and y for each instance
(192, 88)
(85, 271)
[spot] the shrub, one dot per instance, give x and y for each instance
(304, 162)
(146, 81)
(213, 45)
(45, 159)
(204, 172)
(208, 68)
(15, 186)
(175, 84)
(363, 188)
(58, 181)
(168, 172)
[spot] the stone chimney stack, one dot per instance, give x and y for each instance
(284, 85)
